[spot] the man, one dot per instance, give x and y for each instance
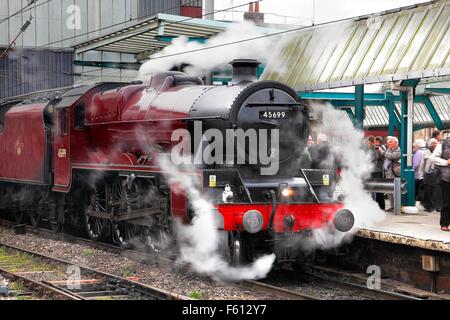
(441, 158)
(379, 142)
(391, 164)
(436, 135)
(376, 146)
(321, 156)
(370, 141)
(419, 149)
(430, 199)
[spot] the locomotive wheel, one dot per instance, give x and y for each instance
(235, 245)
(303, 260)
(156, 240)
(35, 219)
(241, 251)
(41, 209)
(56, 226)
(98, 201)
(125, 199)
(124, 234)
(19, 215)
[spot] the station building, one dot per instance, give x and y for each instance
(40, 36)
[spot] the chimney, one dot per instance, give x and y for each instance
(244, 70)
(253, 14)
(192, 9)
(250, 7)
(209, 9)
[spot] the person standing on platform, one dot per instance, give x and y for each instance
(420, 147)
(431, 199)
(436, 135)
(310, 142)
(321, 156)
(441, 158)
(377, 173)
(391, 164)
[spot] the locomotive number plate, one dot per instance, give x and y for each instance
(277, 115)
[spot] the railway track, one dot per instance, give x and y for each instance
(347, 281)
(363, 290)
(143, 257)
(54, 278)
(335, 286)
(279, 290)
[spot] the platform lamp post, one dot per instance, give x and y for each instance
(407, 92)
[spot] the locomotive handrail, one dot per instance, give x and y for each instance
(309, 184)
(274, 104)
(157, 120)
(274, 209)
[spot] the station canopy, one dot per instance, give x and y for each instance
(152, 34)
(406, 43)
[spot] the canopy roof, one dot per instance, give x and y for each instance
(406, 43)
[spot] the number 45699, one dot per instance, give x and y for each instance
(273, 115)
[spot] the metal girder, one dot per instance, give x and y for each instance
(107, 64)
(432, 110)
(169, 39)
(351, 103)
(350, 114)
(340, 96)
(438, 90)
(394, 121)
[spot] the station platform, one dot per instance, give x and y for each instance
(420, 230)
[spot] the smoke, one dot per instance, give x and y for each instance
(202, 60)
(349, 149)
(200, 242)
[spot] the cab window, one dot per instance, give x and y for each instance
(79, 114)
(63, 122)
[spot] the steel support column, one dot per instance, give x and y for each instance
(406, 141)
(359, 107)
(394, 122)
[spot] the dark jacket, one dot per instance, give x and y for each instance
(440, 157)
(321, 156)
(378, 159)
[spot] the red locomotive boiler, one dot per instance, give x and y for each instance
(87, 157)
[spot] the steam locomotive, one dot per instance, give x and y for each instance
(88, 157)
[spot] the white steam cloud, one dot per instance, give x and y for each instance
(202, 60)
(356, 161)
(200, 241)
